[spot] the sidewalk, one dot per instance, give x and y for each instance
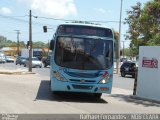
(116, 90)
(13, 70)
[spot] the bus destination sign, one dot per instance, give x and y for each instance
(84, 30)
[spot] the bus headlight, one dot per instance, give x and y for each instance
(58, 76)
(104, 80)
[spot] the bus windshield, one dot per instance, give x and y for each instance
(84, 53)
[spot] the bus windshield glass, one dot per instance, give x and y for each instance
(84, 53)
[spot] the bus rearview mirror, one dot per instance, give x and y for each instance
(51, 44)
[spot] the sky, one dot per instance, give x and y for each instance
(14, 15)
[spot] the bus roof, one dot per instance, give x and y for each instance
(87, 29)
(85, 24)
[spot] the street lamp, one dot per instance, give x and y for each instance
(123, 49)
(119, 38)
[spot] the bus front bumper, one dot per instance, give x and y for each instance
(80, 87)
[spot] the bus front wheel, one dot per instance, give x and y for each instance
(55, 93)
(97, 95)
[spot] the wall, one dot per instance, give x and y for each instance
(148, 85)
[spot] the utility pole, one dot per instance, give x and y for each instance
(48, 47)
(123, 48)
(118, 57)
(18, 32)
(30, 41)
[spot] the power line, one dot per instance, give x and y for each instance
(75, 20)
(13, 18)
(16, 18)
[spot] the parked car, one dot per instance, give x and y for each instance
(2, 59)
(9, 59)
(35, 62)
(20, 60)
(123, 59)
(46, 61)
(128, 68)
(17, 60)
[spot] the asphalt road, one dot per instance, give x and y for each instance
(118, 81)
(31, 93)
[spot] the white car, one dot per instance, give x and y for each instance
(35, 62)
(9, 59)
(2, 59)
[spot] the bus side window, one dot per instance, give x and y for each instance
(51, 45)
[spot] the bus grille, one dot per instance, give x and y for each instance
(82, 81)
(82, 87)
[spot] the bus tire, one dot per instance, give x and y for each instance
(49, 82)
(55, 92)
(97, 95)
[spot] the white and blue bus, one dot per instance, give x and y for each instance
(82, 59)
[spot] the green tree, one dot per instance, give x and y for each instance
(39, 44)
(22, 44)
(11, 44)
(128, 52)
(2, 41)
(144, 25)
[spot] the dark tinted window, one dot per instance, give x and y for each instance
(126, 64)
(133, 64)
(84, 53)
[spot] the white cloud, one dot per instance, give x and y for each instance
(5, 10)
(101, 10)
(53, 8)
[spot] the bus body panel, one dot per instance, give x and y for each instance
(79, 83)
(75, 87)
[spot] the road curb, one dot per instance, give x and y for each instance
(15, 73)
